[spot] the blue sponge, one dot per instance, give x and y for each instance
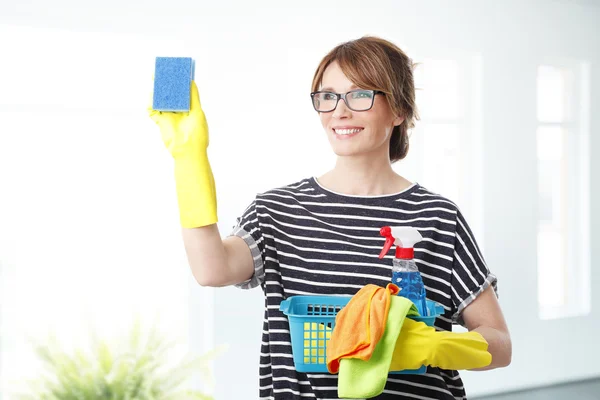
(172, 82)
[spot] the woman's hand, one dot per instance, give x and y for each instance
(185, 134)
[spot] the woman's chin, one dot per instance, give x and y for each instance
(343, 149)
(346, 152)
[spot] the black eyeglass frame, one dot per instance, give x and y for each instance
(343, 96)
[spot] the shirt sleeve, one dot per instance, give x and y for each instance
(470, 274)
(248, 228)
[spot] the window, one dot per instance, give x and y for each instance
(445, 154)
(89, 234)
(563, 190)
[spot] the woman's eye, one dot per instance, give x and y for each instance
(329, 96)
(361, 95)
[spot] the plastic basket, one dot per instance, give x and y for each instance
(312, 319)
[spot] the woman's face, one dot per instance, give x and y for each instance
(353, 133)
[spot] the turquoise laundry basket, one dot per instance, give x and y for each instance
(312, 319)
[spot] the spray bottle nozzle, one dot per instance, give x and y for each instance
(386, 232)
(403, 237)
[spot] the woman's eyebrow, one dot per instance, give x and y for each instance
(330, 89)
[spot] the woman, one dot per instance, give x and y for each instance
(320, 236)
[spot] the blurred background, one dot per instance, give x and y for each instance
(89, 228)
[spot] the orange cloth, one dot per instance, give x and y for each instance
(360, 325)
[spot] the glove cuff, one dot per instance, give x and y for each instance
(196, 192)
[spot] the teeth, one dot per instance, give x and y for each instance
(347, 131)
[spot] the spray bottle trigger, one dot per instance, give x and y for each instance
(386, 247)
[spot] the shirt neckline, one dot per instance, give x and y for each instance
(363, 198)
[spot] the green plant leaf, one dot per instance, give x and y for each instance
(134, 369)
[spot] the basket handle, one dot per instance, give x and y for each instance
(439, 309)
(284, 306)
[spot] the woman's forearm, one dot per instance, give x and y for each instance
(499, 346)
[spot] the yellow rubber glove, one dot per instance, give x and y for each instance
(185, 134)
(419, 344)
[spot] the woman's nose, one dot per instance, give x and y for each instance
(341, 110)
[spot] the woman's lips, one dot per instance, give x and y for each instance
(346, 133)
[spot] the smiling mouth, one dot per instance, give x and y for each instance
(345, 132)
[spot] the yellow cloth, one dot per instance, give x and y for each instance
(360, 325)
(419, 344)
(185, 134)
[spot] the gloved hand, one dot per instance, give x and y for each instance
(185, 134)
(419, 344)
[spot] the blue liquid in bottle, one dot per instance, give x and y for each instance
(407, 277)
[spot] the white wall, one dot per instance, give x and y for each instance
(74, 82)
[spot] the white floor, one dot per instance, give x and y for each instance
(585, 390)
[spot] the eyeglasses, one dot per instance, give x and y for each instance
(356, 100)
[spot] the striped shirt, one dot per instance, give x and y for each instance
(307, 240)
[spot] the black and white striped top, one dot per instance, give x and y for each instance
(307, 240)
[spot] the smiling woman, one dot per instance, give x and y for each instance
(320, 236)
(358, 65)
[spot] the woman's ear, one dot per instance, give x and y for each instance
(398, 120)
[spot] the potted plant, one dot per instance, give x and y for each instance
(135, 369)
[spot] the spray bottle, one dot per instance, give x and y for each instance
(405, 273)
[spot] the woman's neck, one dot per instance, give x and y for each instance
(363, 178)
